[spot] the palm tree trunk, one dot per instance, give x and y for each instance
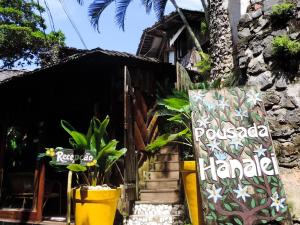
(205, 10)
(185, 22)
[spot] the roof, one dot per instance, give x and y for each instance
(6, 75)
(160, 28)
(98, 54)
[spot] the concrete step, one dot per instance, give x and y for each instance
(161, 175)
(162, 183)
(166, 157)
(160, 195)
(164, 166)
(169, 150)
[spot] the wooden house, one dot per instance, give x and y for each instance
(95, 82)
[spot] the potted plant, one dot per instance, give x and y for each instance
(95, 202)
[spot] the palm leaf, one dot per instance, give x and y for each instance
(159, 7)
(175, 104)
(148, 5)
(121, 8)
(95, 10)
(165, 139)
(78, 137)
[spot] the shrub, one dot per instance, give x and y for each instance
(283, 10)
(284, 46)
(205, 64)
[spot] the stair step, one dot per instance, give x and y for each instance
(160, 195)
(167, 157)
(162, 175)
(169, 150)
(165, 166)
(157, 220)
(162, 183)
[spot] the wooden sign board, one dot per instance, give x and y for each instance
(68, 156)
(236, 162)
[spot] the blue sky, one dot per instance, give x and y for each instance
(110, 36)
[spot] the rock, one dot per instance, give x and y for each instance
(281, 84)
(288, 149)
(293, 117)
(279, 32)
(295, 35)
(267, 41)
(268, 52)
(264, 80)
(296, 141)
(280, 130)
(256, 47)
(256, 1)
(256, 13)
(279, 115)
(243, 62)
(271, 98)
(286, 102)
(256, 66)
(291, 182)
(262, 23)
(245, 33)
(245, 19)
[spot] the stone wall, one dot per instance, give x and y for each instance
(279, 78)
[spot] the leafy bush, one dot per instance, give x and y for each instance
(283, 10)
(204, 66)
(284, 46)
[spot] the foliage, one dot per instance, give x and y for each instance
(283, 10)
(96, 141)
(22, 36)
(285, 47)
(205, 64)
(176, 109)
(204, 27)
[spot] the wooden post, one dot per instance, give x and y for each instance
(130, 158)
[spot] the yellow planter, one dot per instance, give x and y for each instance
(95, 207)
(192, 191)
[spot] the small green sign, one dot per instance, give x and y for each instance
(236, 162)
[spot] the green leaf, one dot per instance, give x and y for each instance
(214, 215)
(256, 180)
(279, 218)
(273, 190)
(76, 168)
(274, 184)
(265, 211)
(274, 178)
(78, 137)
(273, 213)
(238, 221)
(260, 191)
(228, 207)
(233, 204)
(263, 201)
(222, 218)
(261, 179)
(253, 203)
(229, 224)
(209, 217)
(246, 182)
(211, 206)
(264, 221)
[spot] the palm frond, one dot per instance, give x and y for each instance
(121, 8)
(148, 5)
(95, 10)
(159, 7)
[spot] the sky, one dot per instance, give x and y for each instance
(110, 36)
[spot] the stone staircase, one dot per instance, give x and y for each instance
(160, 198)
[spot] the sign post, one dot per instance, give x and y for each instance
(236, 162)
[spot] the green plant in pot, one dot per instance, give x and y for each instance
(95, 202)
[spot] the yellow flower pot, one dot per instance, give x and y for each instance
(192, 191)
(95, 207)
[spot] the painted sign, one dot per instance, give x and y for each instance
(236, 162)
(63, 156)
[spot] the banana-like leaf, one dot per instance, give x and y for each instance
(108, 148)
(165, 139)
(76, 168)
(115, 156)
(79, 138)
(175, 104)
